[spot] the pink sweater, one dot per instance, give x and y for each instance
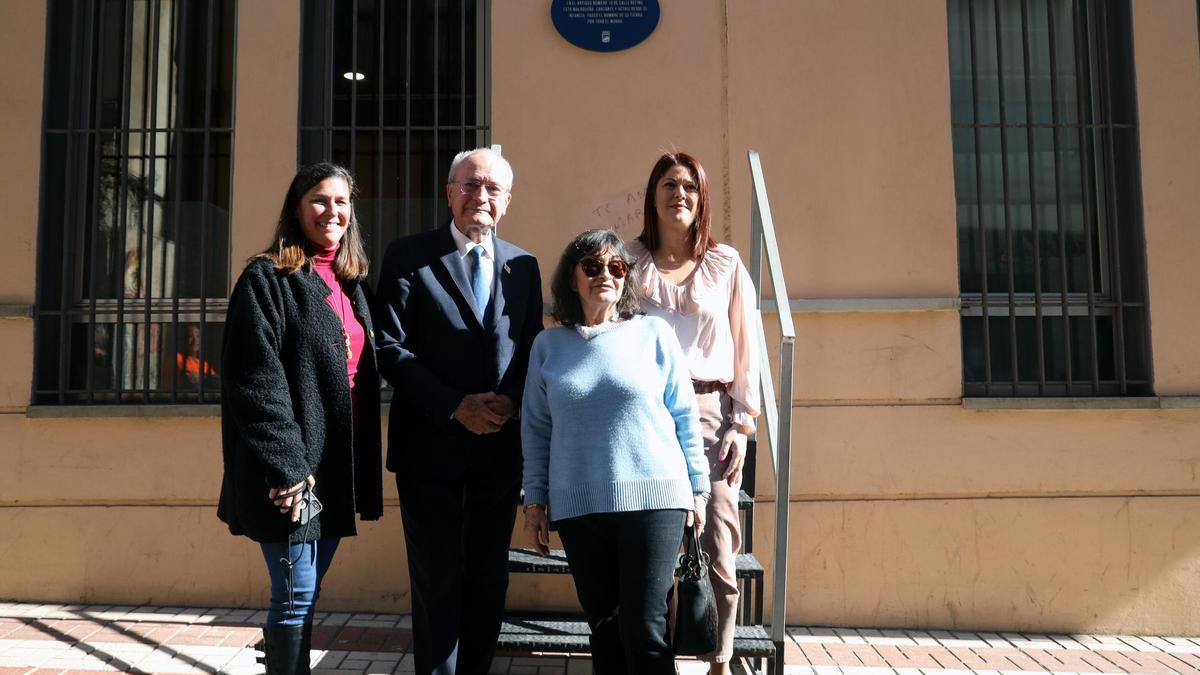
(343, 309)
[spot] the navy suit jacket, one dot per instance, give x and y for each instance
(434, 347)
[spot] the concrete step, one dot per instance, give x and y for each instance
(745, 501)
(527, 561)
(556, 634)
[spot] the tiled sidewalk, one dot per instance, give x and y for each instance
(47, 639)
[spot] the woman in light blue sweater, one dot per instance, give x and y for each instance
(613, 452)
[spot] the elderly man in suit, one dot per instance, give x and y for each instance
(458, 309)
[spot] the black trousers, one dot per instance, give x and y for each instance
(623, 565)
(457, 533)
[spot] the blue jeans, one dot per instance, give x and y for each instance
(312, 561)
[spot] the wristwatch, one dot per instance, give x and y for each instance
(525, 508)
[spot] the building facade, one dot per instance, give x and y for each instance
(986, 213)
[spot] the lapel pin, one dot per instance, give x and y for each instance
(506, 270)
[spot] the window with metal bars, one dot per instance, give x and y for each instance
(133, 255)
(1051, 254)
(392, 89)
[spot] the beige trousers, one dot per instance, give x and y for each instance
(722, 537)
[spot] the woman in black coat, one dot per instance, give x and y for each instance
(300, 403)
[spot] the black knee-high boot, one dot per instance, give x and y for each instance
(282, 648)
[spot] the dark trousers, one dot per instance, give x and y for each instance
(623, 565)
(457, 533)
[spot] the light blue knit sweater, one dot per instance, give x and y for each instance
(609, 421)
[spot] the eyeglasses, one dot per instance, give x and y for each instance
(470, 187)
(593, 266)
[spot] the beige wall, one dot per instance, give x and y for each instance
(583, 129)
(16, 343)
(848, 102)
(20, 136)
(836, 95)
(1168, 81)
(265, 130)
(124, 511)
(23, 48)
(918, 451)
(1092, 565)
(907, 508)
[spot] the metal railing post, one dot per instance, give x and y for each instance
(778, 420)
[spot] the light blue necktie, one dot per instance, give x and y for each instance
(478, 285)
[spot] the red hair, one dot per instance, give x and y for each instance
(700, 233)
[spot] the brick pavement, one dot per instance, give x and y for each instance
(75, 639)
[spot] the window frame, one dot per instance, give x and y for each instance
(1116, 281)
(79, 63)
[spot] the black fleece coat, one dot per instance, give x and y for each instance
(286, 407)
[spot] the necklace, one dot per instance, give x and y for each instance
(341, 307)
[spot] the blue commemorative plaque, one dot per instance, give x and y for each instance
(605, 25)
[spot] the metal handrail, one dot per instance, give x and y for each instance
(778, 413)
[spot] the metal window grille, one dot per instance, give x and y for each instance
(1047, 181)
(392, 89)
(133, 258)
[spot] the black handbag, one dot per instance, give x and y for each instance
(696, 609)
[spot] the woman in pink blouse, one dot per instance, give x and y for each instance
(701, 288)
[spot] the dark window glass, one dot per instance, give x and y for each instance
(1050, 245)
(392, 90)
(133, 269)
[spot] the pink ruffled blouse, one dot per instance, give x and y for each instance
(714, 318)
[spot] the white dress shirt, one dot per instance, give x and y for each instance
(465, 245)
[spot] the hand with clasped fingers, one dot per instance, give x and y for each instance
(484, 413)
(291, 498)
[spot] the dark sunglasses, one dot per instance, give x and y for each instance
(593, 266)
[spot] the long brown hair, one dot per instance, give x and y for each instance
(288, 249)
(700, 233)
